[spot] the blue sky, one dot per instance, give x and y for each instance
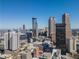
(15, 13)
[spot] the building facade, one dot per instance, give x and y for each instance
(60, 36)
(60, 32)
(66, 20)
(11, 40)
(34, 27)
(63, 32)
(24, 28)
(52, 28)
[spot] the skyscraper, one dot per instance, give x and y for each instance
(7, 40)
(60, 32)
(68, 33)
(52, 28)
(61, 37)
(11, 40)
(24, 27)
(63, 33)
(34, 27)
(66, 20)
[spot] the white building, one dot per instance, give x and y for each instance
(11, 40)
(52, 28)
(73, 44)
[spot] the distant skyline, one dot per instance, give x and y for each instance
(15, 13)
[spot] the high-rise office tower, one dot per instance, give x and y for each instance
(23, 26)
(7, 40)
(11, 40)
(35, 27)
(66, 20)
(23, 29)
(52, 28)
(68, 33)
(63, 33)
(61, 37)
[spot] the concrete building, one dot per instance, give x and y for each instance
(23, 29)
(35, 27)
(52, 28)
(25, 55)
(72, 45)
(11, 40)
(66, 20)
(60, 32)
(63, 32)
